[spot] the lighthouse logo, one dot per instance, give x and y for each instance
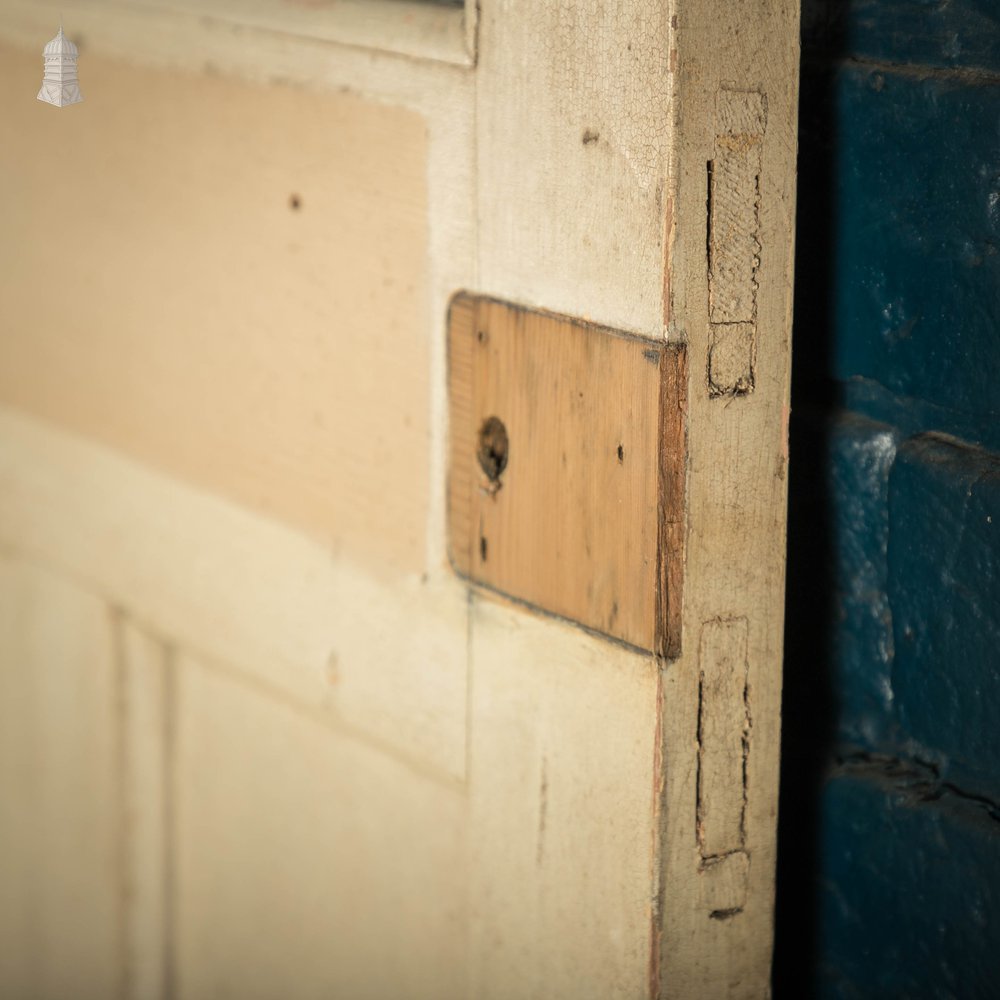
(60, 86)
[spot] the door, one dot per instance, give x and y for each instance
(265, 732)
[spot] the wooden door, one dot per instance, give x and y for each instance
(260, 737)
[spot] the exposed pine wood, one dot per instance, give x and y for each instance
(672, 495)
(563, 510)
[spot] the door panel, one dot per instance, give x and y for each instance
(224, 413)
(307, 861)
(59, 771)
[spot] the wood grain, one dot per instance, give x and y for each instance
(581, 520)
(671, 500)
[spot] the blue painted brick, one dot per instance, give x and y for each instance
(942, 33)
(917, 266)
(909, 886)
(897, 300)
(944, 591)
(860, 455)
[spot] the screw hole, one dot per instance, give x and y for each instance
(493, 445)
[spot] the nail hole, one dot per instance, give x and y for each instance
(492, 452)
(482, 336)
(294, 202)
(621, 454)
(482, 548)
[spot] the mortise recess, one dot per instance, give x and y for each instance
(724, 739)
(733, 241)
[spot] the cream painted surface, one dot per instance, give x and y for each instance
(60, 905)
(246, 590)
(428, 30)
(307, 864)
(183, 266)
(276, 798)
(314, 762)
(550, 917)
(147, 718)
(577, 144)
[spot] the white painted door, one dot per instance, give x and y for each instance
(258, 738)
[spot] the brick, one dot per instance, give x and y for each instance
(954, 34)
(860, 455)
(917, 204)
(909, 889)
(944, 589)
(839, 642)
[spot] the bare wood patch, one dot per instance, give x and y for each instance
(673, 456)
(566, 488)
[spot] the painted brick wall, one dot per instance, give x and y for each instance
(889, 878)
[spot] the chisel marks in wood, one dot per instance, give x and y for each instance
(724, 731)
(732, 355)
(741, 113)
(723, 737)
(733, 245)
(723, 884)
